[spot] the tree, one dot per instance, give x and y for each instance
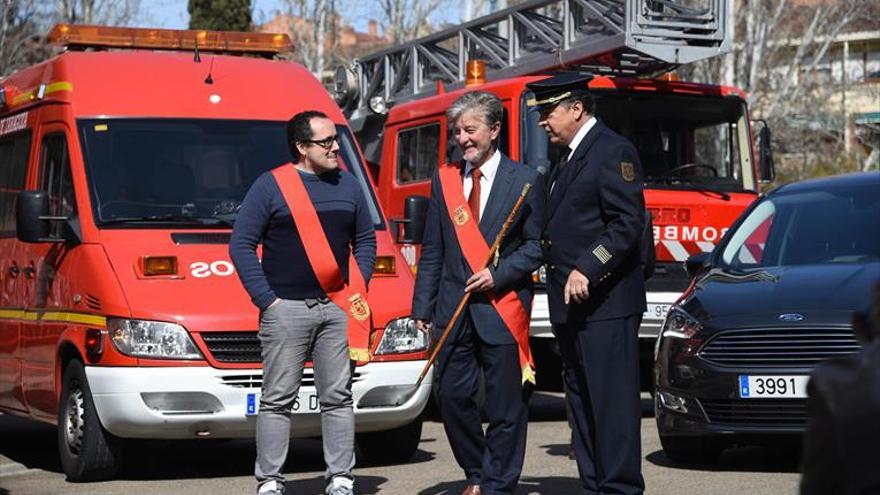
(19, 34)
(312, 26)
(780, 59)
(220, 15)
(407, 20)
(103, 12)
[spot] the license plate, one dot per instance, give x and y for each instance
(656, 311)
(304, 403)
(773, 386)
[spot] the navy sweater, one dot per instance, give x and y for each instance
(285, 271)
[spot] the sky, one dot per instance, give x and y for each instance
(172, 14)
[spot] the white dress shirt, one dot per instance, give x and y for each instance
(489, 170)
(575, 142)
(580, 135)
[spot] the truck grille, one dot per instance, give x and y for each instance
(256, 381)
(233, 347)
(757, 412)
(778, 347)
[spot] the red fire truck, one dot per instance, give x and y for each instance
(695, 140)
(123, 161)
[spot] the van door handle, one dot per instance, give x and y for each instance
(14, 270)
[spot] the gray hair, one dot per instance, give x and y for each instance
(484, 103)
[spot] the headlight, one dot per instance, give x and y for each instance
(680, 325)
(401, 335)
(151, 339)
(680, 334)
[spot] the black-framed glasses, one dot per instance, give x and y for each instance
(325, 143)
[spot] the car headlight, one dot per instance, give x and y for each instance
(680, 333)
(680, 325)
(401, 336)
(151, 339)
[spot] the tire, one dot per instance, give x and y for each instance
(88, 452)
(693, 450)
(391, 446)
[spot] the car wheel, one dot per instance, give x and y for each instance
(695, 450)
(88, 452)
(391, 446)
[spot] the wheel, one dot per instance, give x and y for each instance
(88, 452)
(695, 450)
(391, 446)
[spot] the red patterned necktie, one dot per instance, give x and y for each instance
(474, 196)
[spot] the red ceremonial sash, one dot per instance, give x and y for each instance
(476, 252)
(352, 297)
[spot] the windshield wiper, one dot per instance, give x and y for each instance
(721, 194)
(170, 218)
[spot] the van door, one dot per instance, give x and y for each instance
(14, 153)
(48, 296)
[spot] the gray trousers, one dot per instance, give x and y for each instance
(288, 331)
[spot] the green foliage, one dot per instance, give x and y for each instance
(220, 15)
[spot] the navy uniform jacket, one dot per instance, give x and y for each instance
(595, 220)
(443, 269)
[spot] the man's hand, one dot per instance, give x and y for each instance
(577, 288)
(276, 301)
(480, 281)
(424, 326)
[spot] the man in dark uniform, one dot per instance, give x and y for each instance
(596, 288)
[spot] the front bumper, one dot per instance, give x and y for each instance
(696, 398)
(217, 401)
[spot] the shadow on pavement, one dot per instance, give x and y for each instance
(552, 485)
(780, 458)
(366, 485)
(29, 443)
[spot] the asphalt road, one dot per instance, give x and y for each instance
(29, 465)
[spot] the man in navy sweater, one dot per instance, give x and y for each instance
(297, 318)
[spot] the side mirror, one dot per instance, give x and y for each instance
(695, 263)
(32, 217)
(766, 168)
(415, 211)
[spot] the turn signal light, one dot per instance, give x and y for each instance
(94, 343)
(384, 266)
(160, 265)
(87, 36)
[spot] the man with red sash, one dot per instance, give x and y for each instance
(310, 217)
(469, 203)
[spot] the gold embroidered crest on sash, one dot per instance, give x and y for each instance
(359, 308)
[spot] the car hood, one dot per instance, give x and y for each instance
(826, 294)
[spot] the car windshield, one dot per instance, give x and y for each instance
(682, 141)
(809, 227)
(155, 172)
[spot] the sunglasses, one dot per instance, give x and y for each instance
(325, 143)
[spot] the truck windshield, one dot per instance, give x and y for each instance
(683, 141)
(155, 172)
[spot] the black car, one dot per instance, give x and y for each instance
(775, 297)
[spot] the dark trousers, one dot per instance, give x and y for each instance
(493, 459)
(601, 376)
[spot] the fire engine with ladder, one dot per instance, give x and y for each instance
(702, 159)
